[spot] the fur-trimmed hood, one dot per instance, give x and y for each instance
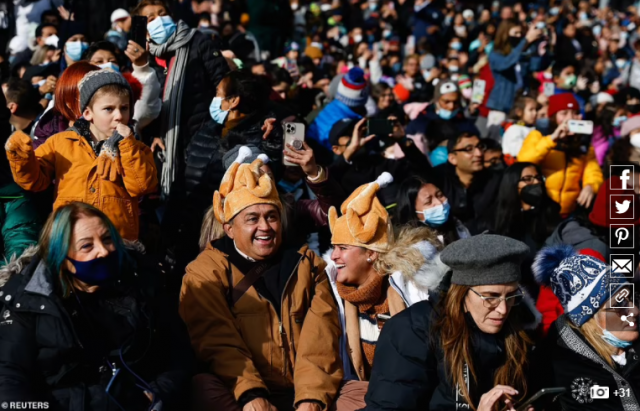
(15, 264)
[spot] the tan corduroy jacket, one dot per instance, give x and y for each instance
(248, 346)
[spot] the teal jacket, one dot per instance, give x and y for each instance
(20, 222)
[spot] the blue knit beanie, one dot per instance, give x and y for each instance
(353, 89)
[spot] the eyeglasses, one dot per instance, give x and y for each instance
(470, 149)
(493, 302)
(529, 179)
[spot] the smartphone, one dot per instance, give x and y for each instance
(139, 30)
(294, 135)
(380, 127)
(580, 126)
(477, 95)
(542, 399)
(549, 89)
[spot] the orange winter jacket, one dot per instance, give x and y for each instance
(564, 178)
(69, 159)
(247, 345)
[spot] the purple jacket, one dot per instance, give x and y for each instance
(50, 123)
(600, 143)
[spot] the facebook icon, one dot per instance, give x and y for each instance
(626, 177)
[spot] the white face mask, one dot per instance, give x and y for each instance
(357, 38)
(635, 140)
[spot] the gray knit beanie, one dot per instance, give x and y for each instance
(485, 259)
(232, 154)
(95, 80)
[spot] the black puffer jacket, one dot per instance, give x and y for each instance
(568, 360)
(409, 371)
(48, 345)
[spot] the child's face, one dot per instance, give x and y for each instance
(106, 113)
(530, 113)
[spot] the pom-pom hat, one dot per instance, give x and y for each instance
(364, 221)
(581, 282)
(353, 90)
(242, 186)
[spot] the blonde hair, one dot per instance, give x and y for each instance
(402, 256)
(593, 334)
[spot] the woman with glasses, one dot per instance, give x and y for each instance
(525, 212)
(468, 351)
(593, 349)
(421, 203)
(566, 159)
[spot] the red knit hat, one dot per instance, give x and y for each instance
(564, 101)
(600, 213)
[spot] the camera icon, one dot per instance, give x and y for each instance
(599, 392)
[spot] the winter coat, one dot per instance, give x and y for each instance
(368, 167)
(19, 220)
(571, 232)
(565, 177)
(69, 159)
(410, 374)
(406, 289)
(149, 105)
(46, 349)
(473, 206)
(332, 113)
(600, 143)
(205, 69)
(253, 345)
(505, 75)
(568, 360)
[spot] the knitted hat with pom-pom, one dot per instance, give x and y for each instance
(364, 221)
(581, 282)
(353, 90)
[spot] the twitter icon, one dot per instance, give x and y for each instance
(622, 206)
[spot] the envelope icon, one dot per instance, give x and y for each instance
(621, 266)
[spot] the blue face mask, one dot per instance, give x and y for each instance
(447, 114)
(111, 66)
(75, 49)
(217, 113)
(597, 31)
(97, 271)
(289, 187)
(617, 122)
(456, 46)
(615, 341)
(397, 67)
(161, 29)
(439, 156)
(436, 216)
(474, 44)
(621, 63)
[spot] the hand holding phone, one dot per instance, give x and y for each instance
(293, 136)
(542, 399)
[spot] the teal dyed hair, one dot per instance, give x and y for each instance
(56, 237)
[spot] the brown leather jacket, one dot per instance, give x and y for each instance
(248, 345)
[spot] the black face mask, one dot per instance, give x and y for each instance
(514, 41)
(498, 167)
(532, 194)
(633, 108)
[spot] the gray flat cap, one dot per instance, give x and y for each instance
(485, 259)
(232, 154)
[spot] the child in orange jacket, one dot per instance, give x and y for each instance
(97, 161)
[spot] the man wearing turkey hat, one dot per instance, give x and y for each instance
(261, 317)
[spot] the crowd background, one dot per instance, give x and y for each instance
(154, 144)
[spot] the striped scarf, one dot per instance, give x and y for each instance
(371, 300)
